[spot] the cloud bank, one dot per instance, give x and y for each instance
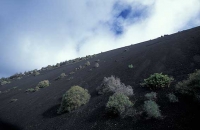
(34, 33)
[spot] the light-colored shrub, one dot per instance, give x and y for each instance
(152, 109)
(62, 75)
(5, 82)
(118, 103)
(157, 80)
(172, 97)
(151, 96)
(112, 84)
(130, 66)
(87, 63)
(96, 65)
(75, 97)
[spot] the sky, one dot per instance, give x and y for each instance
(37, 33)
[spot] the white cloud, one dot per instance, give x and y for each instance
(52, 33)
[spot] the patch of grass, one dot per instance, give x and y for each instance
(36, 73)
(13, 100)
(114, 85)
(172, 98)
(19, 77)
(157, 80)
(14, 87)
(118, 103)
(75, 97)
(70, 78)
(151, 96)
(71, 73)
(96, 65)
(30, 90)
(152, 109)
(190, 86)
(5, 82)
(130, 66)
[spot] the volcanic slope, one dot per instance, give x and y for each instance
(176, 55)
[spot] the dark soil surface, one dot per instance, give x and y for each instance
(176, 55)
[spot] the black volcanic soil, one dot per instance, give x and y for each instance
(176, 55)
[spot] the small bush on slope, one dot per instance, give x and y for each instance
(44, 83)
(87, 63)
(157, 80)
(96, 65)
(172, 97)
(5, 82)
(151, 96)
(112, 84)
(191, 86)
(118, 103)
(74, 98)
(152, 109)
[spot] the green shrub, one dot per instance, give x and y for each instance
(118, 103)
(74, 98)
(87, 63)
(191, 86)
(36, 73)
(130, 66)
(44, 83)
(62, 75)
(157, 80)
(30, 90)
(172, 97)
(152, 109)
(114, 85)
(5, 82)
(151, 96)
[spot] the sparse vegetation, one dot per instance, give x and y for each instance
(130, 66)
(14, 87)
(172, 98)
(41, 84)
(96, 65)
(71, 73)
(87, 63)
(13, 100)
(118, 103)
(157, 80)
(30, 90)
(44, 83)
(70, 78)
(151, 96)
(152, 109)
(62, 75)
(191, 86)
(112, 84)
(5, 82)
(35, 73)
(75, 97)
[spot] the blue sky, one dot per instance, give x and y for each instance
(37, 33)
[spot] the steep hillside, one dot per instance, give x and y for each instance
(176, 55)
